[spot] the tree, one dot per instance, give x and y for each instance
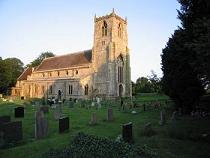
(186, 57)
(40, 58)
(143, 85)
(10, 70)
(156, 84)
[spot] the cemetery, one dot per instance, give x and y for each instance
(27, 127)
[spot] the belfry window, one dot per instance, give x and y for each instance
(86, 89)
(104, 29)
(120, 30)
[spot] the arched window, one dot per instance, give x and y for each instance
(120, 68)
(50, 90)
(86, 89)
(104, 29)
(119, 30)
(70, 89)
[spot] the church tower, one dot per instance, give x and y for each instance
(110, 56)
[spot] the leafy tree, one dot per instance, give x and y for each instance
(40, 58)
(155, 83)
(10, 70)
(143, 85)
(186, 57)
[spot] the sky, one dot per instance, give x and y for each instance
(30, 27)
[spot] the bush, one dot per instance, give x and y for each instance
(86, 146)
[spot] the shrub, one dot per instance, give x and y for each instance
(86, 146)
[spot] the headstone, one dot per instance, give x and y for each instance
(174, 116)
(127, 132)
(1, 95)
(63, 124)
(93, 119)
(19, 112)
(41, 125)
(57, 112)
(22, 98)
(110, 114)
(4, 119)
(12, 132)
(45, 109)
(162, 118)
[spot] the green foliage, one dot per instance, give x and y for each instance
(186, 57)
(87, 146)
(40, 58)
(150, 84)
(10, 70)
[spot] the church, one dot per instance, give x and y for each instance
(102, 71)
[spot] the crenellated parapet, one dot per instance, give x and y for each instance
(113, 14)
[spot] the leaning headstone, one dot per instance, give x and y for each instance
(93, 120)
(45, 109)
(4, 119)
(162, 118)
(41, 125)
(110, 114)
(12, 132)
(19, 112)
(127, 132)
(63, 124)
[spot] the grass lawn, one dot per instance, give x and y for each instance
(179, 139)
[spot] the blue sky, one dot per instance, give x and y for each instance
(29, 27)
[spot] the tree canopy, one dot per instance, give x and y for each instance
(10, 70)
(186, 57)
(40, 58)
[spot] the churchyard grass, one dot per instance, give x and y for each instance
(179, 139)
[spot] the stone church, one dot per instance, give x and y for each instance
(102, 71)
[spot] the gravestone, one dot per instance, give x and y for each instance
(174, 116)
(57, 112)
(93, 120)
(41, 125)
(110, 114)
(45, 109)
(127, 133)
(11, 132)
(63, 124)
(4, 119)
(19, 112)
(162, 118)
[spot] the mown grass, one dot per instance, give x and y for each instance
(178, 139)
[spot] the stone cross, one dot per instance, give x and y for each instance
(41, 125)
(110, 114)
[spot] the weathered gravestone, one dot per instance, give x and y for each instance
(11, 132)
(41, 125)
(93, 120)
(110, 114)
(19, 112)
(45, 109)
(4, 119)
(162, 118)
(127, 132)
(57, 112)
(63, 124)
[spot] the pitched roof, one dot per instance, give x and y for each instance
(66, 61)
(25, 73)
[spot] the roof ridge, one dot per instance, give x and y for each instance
(79, 52)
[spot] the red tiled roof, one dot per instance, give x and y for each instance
(25, 73)
(65, 61)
